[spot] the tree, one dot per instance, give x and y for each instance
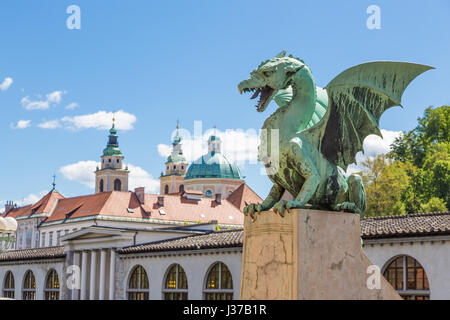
(434, 205)
(433, 128)
(385, 182)
(415, 175)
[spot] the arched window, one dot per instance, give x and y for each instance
(8, 285)
(408, 277)
(138, 284)
(219, 283)
(208, 193)
(100, 186)
(181, 189)
(176, 284)
(29, 286)
(166, 189)
(117, 185)
(51, 291)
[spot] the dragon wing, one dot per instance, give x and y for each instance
(356, 100)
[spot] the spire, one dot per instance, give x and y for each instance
(177, 138)
(177, 153)
(112, 148)
(54, 183)
(214, 142)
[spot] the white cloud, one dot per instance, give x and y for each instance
(55, 97)
(72, 106)
(7, 82)
(141, 178)
(34, 105)
(51, 98)
(21, 124)
(52, 124)
(101, 120)
(373, 146)
(237, 145)
(164, 150)
(29, 199)
(83, 172)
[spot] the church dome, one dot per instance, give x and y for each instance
(213, 165)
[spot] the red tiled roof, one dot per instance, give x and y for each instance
(203, 210)
(419, 224)
(176, 207)
(44, 205)
(242, 196)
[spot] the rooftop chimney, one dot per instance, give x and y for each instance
(140, 194)
(9, 206)
(161, 201)
(219, 198)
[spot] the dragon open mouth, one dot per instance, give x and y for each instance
(265, 94)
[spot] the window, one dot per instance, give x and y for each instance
(50, 239)
(181, 188)
(29, 286)
(219, 283)
(36, 239)
(43, 239)
(117, 185)
(176, 284)
(100, 186)
(51, 291)
(8, 285)
(408, 277)
(208, 193)
(58, 237)
(166, 189)
(138, 284)
(28, 235)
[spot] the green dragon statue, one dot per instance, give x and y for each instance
(321, 130)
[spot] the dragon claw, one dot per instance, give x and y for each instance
(283, 206)
(348, 207)
(252, 209)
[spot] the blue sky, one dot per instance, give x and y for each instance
(158, 61)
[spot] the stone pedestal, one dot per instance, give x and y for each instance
(308, 254)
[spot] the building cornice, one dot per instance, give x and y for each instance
(190, 252)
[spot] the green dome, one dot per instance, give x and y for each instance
(176, 158)
(213, 165)
(112, 151)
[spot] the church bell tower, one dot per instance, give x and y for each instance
(111, 176)
(173, 180)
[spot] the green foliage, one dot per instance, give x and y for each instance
(434, 205)
(415, 176)
(385, 182)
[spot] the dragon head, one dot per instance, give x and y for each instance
(270, 76)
